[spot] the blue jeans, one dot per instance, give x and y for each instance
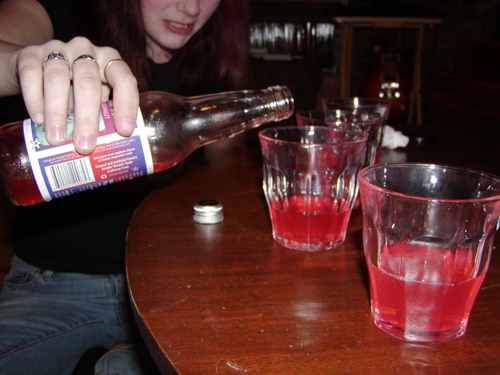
(48, 320)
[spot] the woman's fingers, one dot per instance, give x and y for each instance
(56, 86)
(125, 95)
(87, 99)
(30, 72)
(59, 76)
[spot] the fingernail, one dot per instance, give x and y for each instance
(37, 118)
(56, 135)
(128, 125)
(87, 143)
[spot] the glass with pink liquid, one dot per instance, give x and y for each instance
(310, 183)
(428, 232)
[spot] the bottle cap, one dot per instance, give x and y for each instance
(208, 211)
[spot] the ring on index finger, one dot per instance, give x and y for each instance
(86, 57)
(55, 55)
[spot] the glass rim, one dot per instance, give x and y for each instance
(363, 182)
(363, 138)
(374, 117)
(369, 102)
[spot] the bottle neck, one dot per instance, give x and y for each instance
(177, 125)
(280, 101)
(222, 115)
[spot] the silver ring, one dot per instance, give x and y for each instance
(108, 64)
(86, 57)
(56, 55)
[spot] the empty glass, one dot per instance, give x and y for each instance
(370, 124)
(357, 104)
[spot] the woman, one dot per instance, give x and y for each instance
(213, 59)
(66, 291)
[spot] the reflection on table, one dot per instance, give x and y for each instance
(226, 298)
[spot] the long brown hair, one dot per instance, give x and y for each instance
(214, 59)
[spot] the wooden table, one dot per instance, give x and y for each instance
(227, 299)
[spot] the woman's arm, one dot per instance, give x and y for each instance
(50, 86)
(22, 23)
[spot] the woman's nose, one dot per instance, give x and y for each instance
(190, 7)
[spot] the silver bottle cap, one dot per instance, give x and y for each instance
(208, 211)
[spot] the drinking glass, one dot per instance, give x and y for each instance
(370, 124)
(428, 232)
(310, 183)
(356, 104)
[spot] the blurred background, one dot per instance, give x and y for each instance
(292, 36)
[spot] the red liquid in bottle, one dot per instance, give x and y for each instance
(173, 127)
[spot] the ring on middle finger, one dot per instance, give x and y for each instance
(55, 55)
(86, 57)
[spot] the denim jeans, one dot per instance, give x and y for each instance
(48, 320)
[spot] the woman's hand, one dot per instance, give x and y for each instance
(56, 76)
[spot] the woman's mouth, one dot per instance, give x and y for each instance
(178, 28)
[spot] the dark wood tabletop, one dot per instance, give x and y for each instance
(227, 299)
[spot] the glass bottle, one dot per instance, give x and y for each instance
(169, 128)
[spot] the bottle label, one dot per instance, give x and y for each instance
(61, 171)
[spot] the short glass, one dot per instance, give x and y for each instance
(310, 183)
(428, 232)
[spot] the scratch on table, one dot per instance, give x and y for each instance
(490, 286)
(232, 365)
(241, 317)
(170, 306)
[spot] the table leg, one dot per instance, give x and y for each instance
(346, 33)
(415, 106)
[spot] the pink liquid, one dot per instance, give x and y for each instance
(428, 296)
(309, 222)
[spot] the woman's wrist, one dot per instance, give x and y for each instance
(9, 82)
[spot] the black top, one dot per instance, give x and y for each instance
(84, 232)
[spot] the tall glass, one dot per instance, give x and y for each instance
(428, 233)
(370, 124)
(357, 104)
